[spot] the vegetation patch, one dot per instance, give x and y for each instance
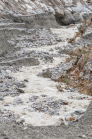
(80, 74)
(81, 30)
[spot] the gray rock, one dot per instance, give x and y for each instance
(74, 116)
(55, 73)
(21, 85)
(5, 46)
(48, 58)
(86, 119)
(37, 106)
(20, 121)
(1, 98)
(6, 104)
(46, 20)
(22, 61)
(44, 109)
(33, 98)
(78, 112)
(17, 101)
(78, 17)
(47, 73)
(51, 50)
(87, 15)
(43, 95)
(82, 8)
(25, 80)
(87, 36)
(20, 90)
(55, 112)
(59, 12)
(67, 19)
(65, 50)
(1, 81)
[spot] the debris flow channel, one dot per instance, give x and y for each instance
(41, 103)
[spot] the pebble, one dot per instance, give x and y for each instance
(25, 80)
(74, 116)
(51, 50)
(59, 87)
(20, 121)
(1, 81)
(78, 112)
(20, 90)
(44, 95)
(1, 98)
(21, 85)
(6, 104)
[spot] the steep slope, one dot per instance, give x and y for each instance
(62, 9)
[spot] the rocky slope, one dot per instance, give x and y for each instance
(66, 12)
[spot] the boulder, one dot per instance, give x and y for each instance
(87, 15)
(68, 18)
(88, 36)
(86, 119)
(42, 20)
(80, 8)
(59, 12)
(78, 17)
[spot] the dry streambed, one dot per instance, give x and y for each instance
(41, 103)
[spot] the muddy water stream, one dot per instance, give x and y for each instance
(44, 90)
